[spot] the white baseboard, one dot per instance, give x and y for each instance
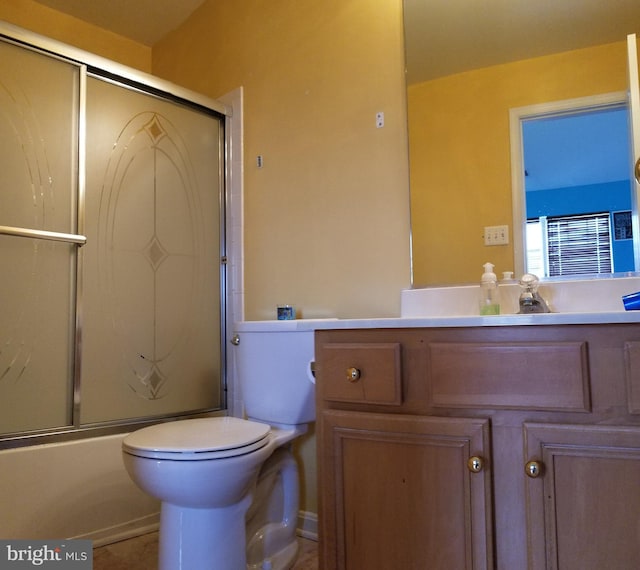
(308, 525)
(129, 529)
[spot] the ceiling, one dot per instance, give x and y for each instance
(145, 21)
(442, 36)
(577, 149)
(450, 36)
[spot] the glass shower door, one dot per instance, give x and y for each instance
(151, 295)
(38, 147)
(125, 323)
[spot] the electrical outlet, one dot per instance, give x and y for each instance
(379, 120)
(496, 235)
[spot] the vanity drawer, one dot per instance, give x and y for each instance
(367, 373)
(530, 375)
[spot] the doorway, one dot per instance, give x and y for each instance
(572, 187)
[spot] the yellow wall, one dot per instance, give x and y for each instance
(327, 217)
(58, 26)
(460, 155)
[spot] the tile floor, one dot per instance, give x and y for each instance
(141, 553)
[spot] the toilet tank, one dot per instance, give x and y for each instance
(273, 360)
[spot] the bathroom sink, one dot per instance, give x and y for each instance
(583, 296)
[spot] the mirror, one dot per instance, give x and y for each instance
(468, 64)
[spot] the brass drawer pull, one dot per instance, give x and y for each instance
(353, 374)
(533, 469)
(475, 464)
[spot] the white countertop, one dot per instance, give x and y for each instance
(439, 307)
(423, 322)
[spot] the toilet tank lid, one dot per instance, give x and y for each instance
(197, 435)
(294, 325)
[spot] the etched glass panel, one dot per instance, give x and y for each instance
(151, 302)
(38, 149)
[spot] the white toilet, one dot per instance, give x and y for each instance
(229, 486)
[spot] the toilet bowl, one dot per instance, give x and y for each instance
(229, 486)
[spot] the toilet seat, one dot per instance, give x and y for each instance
(198, 439)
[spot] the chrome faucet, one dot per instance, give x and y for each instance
(530, 299)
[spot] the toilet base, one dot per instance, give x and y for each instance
(282, 560)
(211, 538)
(202, 539)
(272, 542)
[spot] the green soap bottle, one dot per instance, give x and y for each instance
(489, 292)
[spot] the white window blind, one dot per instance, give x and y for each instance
(537, 258)
(576, 245)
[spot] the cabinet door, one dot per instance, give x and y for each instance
(583, 507)
(400, 491)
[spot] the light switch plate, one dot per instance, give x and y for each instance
(496, 235)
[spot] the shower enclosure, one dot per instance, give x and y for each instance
(112, 248)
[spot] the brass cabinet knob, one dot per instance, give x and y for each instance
(353, 374)
(533, 469)
(475, 464)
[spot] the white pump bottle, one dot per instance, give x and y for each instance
(489, 292)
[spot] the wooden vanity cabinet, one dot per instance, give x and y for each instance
(479, 448)
(584, 509)
(379, 477)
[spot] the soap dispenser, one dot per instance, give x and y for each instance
(489, 292)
